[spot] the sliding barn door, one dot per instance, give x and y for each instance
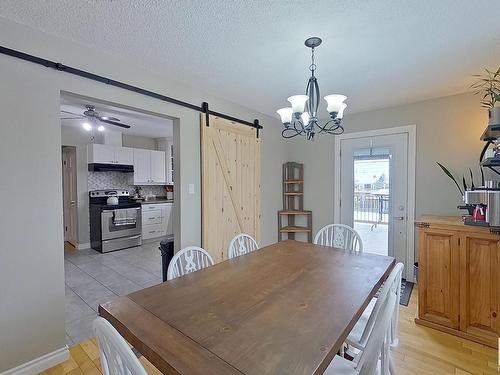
(230, 154)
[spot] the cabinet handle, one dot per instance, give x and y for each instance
(494, 314)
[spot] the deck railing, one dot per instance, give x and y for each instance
(371, 208)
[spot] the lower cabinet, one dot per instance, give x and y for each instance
(156, 220)
(459, 280)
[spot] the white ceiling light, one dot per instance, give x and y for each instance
(87, 126)
(100, 128)
(301, 118)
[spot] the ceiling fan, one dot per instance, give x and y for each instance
(91, 114)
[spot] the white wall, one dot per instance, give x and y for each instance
(31, 263)
(137, 141)
(448, 131)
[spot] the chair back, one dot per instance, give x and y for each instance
(391, 285)
(377, 345)
(241, 244)
(341, 236)
(116, 356)
(187, 260)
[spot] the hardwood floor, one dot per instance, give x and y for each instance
(421, 351)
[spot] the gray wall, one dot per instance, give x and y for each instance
(448, 131)
(136, 141)
(31, 264)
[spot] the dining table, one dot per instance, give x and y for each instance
(286, 308)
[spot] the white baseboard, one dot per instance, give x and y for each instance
(40, 364)
(85, 245)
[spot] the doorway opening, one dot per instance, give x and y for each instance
(118, 183)
(372, 198)
(374, 190)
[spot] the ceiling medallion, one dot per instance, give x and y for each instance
(301, 117)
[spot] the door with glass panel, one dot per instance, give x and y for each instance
(374, 191)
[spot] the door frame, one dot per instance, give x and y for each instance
(74, 175)
(411, 131)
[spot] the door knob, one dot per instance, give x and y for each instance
(399, 217)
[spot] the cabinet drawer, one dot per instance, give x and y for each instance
(152, 216)
(153, 231)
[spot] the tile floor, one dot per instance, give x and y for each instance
(93, 278)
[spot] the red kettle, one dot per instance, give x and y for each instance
(479, 214)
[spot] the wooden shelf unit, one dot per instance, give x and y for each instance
(293, 203)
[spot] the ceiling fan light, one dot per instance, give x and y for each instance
(100, 128)
(285, 115)
(298, 103)
(334, 101)
(87, 126)
(340, 114)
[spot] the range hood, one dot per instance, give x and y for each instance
(100, 167)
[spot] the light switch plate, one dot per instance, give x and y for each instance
(191, 188)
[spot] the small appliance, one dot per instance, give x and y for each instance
(486, 200)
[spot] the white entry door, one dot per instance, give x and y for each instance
(374, 197)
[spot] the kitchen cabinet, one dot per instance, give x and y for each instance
(459, 279)
(156, 220)
(149, 167)
(106, 154)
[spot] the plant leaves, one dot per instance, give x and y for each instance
(464, 183)
(482, 176)
(471, 180)
(448, 173)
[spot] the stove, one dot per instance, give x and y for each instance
(114, 226)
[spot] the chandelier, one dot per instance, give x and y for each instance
(301, 118)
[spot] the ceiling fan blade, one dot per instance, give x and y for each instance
(116, 124)
(72, 113)
(107, 118)
(72, 118)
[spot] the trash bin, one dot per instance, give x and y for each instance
(167, 253)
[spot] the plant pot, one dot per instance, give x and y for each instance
(494, 115)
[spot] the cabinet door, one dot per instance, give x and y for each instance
(158, 167)
(439, 277)
(124, 155)
(167, 218)
(480, 285)
(142, 171)
(98, 153)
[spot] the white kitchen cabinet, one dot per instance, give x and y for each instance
(158, 167)
(107, 154)
(149, 167)
(156, 220)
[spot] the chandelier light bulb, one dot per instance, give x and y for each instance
(340, 113)
(298, 102)
(87, 126)
(334, 102)
(100, 128)
(285, 115)
(305, 118)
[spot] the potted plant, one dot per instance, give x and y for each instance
(489, 84)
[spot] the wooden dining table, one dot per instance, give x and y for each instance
(283, 309)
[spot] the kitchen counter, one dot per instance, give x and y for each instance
(157, 201)
(450, 223)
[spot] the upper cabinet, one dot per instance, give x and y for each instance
(106, 154)
(149, 167)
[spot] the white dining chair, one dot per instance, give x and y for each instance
(241, 244)
(187, 260)
(340, 236)
(375, 358)
(358, 337)
(116, 356)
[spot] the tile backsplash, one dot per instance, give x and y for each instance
(119, 180)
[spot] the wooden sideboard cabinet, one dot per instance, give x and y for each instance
(459, 279)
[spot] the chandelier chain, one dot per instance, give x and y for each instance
(312, 67)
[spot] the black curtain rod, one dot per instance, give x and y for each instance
(82, 73)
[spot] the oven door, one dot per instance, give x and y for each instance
(114, 226)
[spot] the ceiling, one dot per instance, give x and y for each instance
(379, 53)
(141, 124)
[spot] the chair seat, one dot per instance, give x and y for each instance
(341, 366)
(354, 337)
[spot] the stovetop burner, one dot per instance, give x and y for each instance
(98, 199)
